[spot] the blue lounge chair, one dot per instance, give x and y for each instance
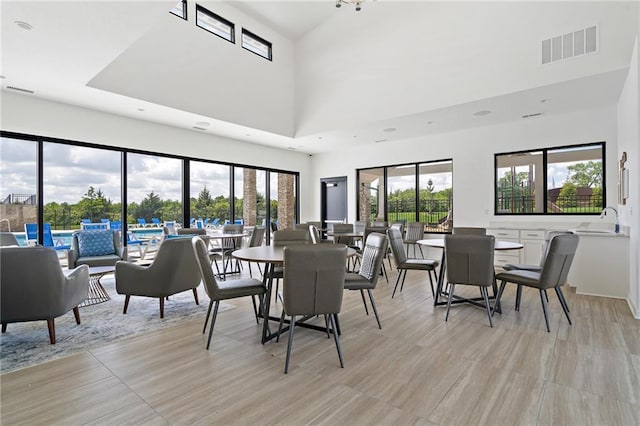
(134, 243)
(206, 222)
(93, 226)
(104, 220)
(115, 225)
(85, 221)
(142, 222)
(156, 222)
(31, 231)
(215, 221)
(192, 222)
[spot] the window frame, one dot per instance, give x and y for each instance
(212, 15)
(184, 10)
(545, 189)
(257, 38)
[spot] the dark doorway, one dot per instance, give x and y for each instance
(333, 200)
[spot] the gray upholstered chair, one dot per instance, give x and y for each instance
(403, 263)
(380, 230)
(257, 237)
(287, 238)
(467, 230)
(470, 262)
(34, 288)
(537, 268)
(373, 253)
(8, 239)
(414, 232)
(191, 231)
(228, 289)
(555, 270)
(99, 247)
(313, 285)
(173, 270)
(227, 245)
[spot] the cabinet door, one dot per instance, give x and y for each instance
(531, 251)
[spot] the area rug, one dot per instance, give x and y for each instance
(27, 344)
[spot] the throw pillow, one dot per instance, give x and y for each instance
(95, 243)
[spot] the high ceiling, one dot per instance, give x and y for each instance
(84, 53)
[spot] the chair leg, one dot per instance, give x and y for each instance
(206, 320)
(255, 308)
(250, 271)
(161, 307)
(326, 325)
(375, 310)
(397, 282)
(126, 303)
(292, 327)
(52, 330)
(433, 292)
(364, 302)
(404, 276)
(279, 326)
(503, 284)
(485, 294)
(259, 269)
(420, 248)
(518, 297)
(76, 313)
(544, 310)
(546, 296)
(4, 327)
(563, 302)
(275, 295)
(337, 338)
(213, 323)
(384, 272)
(451, 288)
(195, 296)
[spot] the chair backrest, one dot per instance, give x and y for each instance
(257, 236)
(85, 220)
(47, 236)
(191, 231)
(415, 231)
(359, 225)
(469, 230)
(379, 223)
(116, 225)
(273, 226)
(301, 226)
(142, 221)
(399, 225)
(397, 246)
(343, 227)
(93, 226)
(201, 251)
(470, 258)
(8, 239)
(373, 253)
(31, 231)
(232, 243)
(371, 229)
(290, 237)
(176, 263)
(555, 270)
(115, 237)
(314, 279)
(547, 241)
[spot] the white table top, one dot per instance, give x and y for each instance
(500, 245)
(268, 254)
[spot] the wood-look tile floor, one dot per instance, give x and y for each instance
(416, 370)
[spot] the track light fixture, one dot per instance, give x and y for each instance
(357, 3)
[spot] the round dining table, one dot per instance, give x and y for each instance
(439, 243)
(272, 256)
(222, 236)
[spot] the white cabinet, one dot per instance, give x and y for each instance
(533, 243)
(503, 257)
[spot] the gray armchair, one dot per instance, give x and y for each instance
(8, 239)
(85, 251)
(173, 270)
(39, 293)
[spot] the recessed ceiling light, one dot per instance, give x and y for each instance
(381, 140)
(535, 114)
(140, 109)
(389, 129)
(291, 148)
(24, 25)
(319, 137)
(355, 136)
(544, 100)
(429, 122)
(2, 76)
(247, 134)
(482, 113)
(202, 123)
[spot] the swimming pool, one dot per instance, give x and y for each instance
(64, 236)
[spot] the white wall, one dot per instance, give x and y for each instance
(26, 114)
(629, 140)
(398, 58)
(472, 152)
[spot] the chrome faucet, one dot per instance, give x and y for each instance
(604, 213)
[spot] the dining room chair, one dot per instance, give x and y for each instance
(404, 264)
(222, 290)
(468, 230)
(557, 263)
(227, 246)
(414, 233)
(381, 230)
(373, 253)
(537, 268)
(314, 278)
(284, 238)
(257, 237)
(469, 260)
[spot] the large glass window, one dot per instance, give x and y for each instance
(209, 197)
(154, 190)
(18, 180)
(565, 180)
(432, 204)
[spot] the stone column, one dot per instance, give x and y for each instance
(286, 201)
(249, 200)
(365, 203)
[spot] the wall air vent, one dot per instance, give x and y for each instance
(19, 89)
(569, 45)
(535, 114)
(200, 128)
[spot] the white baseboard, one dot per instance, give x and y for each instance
(634, 311)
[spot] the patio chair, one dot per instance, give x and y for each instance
(31, 232)
(8, 239)
(142, 222)
(156, 222)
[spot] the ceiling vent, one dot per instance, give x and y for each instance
(535, 114)
(569, 45)
(19, 89)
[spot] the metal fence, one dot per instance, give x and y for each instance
(29, 199)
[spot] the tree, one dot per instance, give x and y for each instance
(150, 206)
(586, 175)
(568, 196)
(93, 206)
